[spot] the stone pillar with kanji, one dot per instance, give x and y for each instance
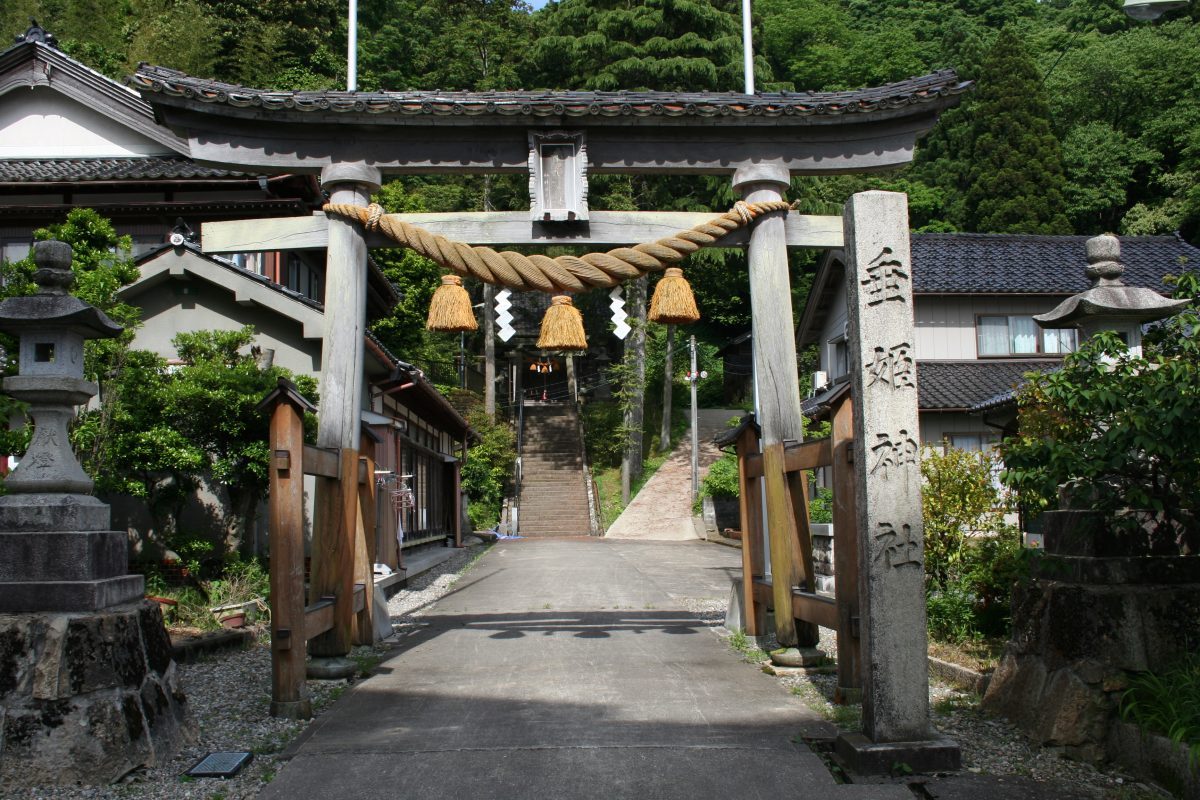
(887, 464)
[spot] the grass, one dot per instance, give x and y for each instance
(366, 662)
(981, 655)
(847, 717)
(1168, 703)
(739, 641)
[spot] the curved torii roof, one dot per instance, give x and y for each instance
(645, 132)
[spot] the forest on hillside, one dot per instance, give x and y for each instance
(1082, 120)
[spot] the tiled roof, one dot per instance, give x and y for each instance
(172, 83)
(242, 272)
(962, 385)
(106, 169)
(380, 301)
(983, 263)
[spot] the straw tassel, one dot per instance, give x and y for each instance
(450, 309)
(673, 302)
(562, 327)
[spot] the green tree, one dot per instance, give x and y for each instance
(488, 469)
(161, 433)
(607, 45)
(1015, 178)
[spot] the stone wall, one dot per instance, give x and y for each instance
(85, 698)
(1081, 626)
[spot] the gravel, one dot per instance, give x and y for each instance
(990, 745)
(229, 696)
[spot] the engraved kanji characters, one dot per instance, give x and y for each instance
(893, 451)
(884, 277)
(900, 547)
(892, 366)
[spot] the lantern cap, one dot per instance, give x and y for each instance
(52, 307)
(1147, 10)
(1109, 297)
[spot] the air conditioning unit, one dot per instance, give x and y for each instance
(820, 380)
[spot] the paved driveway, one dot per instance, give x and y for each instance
(568, 668)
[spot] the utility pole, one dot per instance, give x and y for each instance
(489, 326)
(692, 378)
(664, 439)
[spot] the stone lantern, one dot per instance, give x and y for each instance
(1110, 305)
(77, 635)
(57, 552)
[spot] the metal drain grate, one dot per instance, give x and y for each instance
(220, 765)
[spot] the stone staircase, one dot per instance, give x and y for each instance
(554, 498)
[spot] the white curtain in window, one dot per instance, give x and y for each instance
(1024, 334)
(993, 336)
(1058, 340)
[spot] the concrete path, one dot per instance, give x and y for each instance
(662, 510)
(568, 669)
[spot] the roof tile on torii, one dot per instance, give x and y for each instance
(473, 132)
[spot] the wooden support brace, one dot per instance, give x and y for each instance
(807, 633)
(333, 557)
(364, 551)
(750, 509)
(845, 554)
(781, 529)
(289, 693)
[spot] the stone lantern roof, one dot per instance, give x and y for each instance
(52, 307)
(1109, 298)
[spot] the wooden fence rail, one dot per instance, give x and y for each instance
(339, 609)
(809, 609)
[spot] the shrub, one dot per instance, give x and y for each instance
(958, 497)
(488, 470)
(972, 558)
(722, 478)
(951, 613)
(820, 507)
(241, 581)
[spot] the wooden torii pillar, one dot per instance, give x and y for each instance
(339, 422)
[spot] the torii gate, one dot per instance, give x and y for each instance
(760, 141)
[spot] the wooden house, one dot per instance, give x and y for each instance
(71, 137)
(974, 300)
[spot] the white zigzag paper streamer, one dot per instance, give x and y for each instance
(619, 316)
(504, 330)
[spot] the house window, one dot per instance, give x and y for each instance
(15, 249)
(302, 278)
(974, 442)
(1021, 336)
(839, 358)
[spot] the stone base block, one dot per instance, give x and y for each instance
(66, 596)
(62, 555)
(53, 512)
(331, 669)
(797, 657)
(865, 757)
(85, 698)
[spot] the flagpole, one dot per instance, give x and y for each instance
(352, 49)
(747, 48)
